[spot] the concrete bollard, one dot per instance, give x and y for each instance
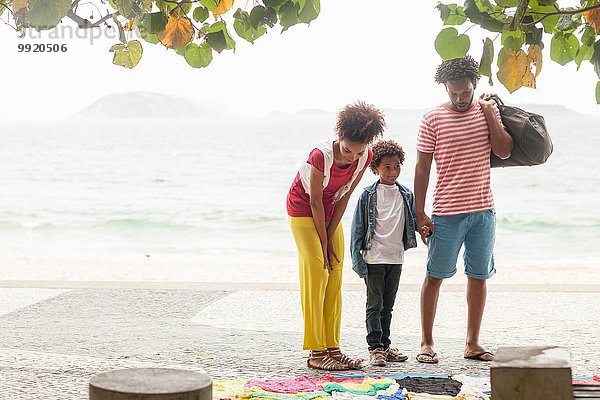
(531, 373)
(151, 384)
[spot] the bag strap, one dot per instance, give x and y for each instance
(497, 100)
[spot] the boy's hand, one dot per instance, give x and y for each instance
(425, 225)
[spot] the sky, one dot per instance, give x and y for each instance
(381, 52)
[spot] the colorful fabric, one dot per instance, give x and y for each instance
(290, 386)
(461, 148)
(228, 388)
(399, 395)
(368, 387)
(261, 394)
(389, 392)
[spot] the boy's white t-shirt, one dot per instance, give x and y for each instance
(387, 246)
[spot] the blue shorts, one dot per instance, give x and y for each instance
(478, 233)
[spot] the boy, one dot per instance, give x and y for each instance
(383, 227)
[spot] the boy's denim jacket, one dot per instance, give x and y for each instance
(363, 225)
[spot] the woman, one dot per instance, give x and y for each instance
(315, 204)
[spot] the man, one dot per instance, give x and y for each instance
(459, 135)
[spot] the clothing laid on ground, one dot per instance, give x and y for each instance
(461, 148)
(463, 204)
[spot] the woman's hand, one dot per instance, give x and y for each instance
(331, 254)
(325, 255)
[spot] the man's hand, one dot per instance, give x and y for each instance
(485, 100)
(425, 226)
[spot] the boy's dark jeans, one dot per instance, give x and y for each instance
(382, 284)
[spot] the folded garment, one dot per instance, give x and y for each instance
(438, 386)
(368, 386)
(290, 386)
(228, 388)
(257, 394)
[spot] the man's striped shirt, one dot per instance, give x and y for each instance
(461, 148)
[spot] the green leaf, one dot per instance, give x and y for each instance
(598, 92)
(147, 36)
(168, 7)
(596, 58)
(271, 17)
(210, 4)
(198, 56)
(536, 9)
(534, 36)
(127, 55)
(121, 30)
(288, 14)
(201, 14)
(155, 22)
(218, 37)
(483, 19)
(452, 14)
(485, 65)
(310, 11)
(588, 37)
(257, 16)
(507, 3)
(512, 39)
(449, 44)
(274, 3)
(568, 22)
(44, 14)
(128, 8)
(583, 54)
(563, 48)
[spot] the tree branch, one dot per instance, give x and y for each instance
(563, 12)
(86, 24)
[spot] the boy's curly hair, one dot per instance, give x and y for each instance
(457, 69)
(360, 122)
(385, 148)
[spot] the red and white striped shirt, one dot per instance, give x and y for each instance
(461, 149)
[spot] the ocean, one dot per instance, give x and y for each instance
(215, 189)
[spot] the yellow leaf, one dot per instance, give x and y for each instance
(129, 26)
(513, 69)
(18, 5)
(592, 17)
(534, 55)
(222, 7)
(529, 79)
(178, 32)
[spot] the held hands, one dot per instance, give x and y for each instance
(425, 226)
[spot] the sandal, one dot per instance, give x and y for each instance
(337, 355)
(327, 363)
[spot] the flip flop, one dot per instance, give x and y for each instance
(432, 359)
(478, 356)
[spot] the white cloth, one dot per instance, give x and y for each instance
(386, 245)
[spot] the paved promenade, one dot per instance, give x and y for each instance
(52, 339)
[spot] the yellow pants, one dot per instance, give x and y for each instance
(320, 289)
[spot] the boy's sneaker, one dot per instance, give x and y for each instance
(394, 355)
(378, 358)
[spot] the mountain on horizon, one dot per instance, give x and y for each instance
(144, 105)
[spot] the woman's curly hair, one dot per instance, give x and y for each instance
(385, 148)
(457, 69)
(360, 122)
